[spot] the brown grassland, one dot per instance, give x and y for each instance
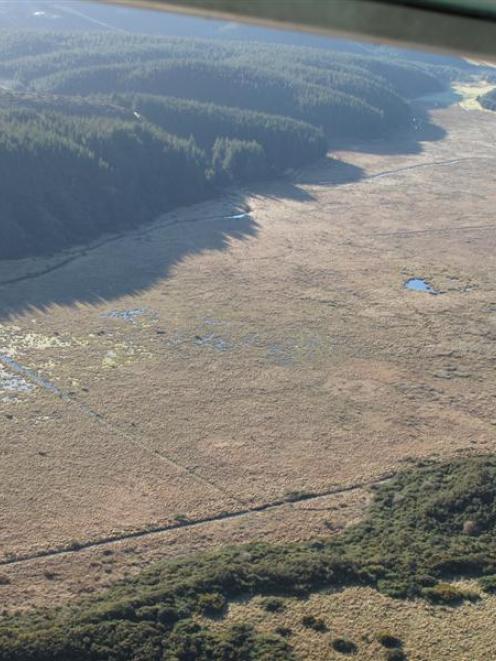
(361, 614)
(264, 359)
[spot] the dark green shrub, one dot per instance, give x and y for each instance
(488, 584)
(168, 615)
(315, 623)
(372, 573)
(387, 639)
(425, 581)
(395, 655)
(181, 519)
(267, 647)
(396, 587)
(273, 604)
(344, 646)
(147, 613)
(295, 496)
(212, 604)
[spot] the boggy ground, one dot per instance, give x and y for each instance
(279, 356)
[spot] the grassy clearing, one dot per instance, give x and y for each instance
(414, 539)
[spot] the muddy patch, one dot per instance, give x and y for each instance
(132, 315)
(222, 336)
(123, 354)
(24, 375)
(213, 341)
(11, 383)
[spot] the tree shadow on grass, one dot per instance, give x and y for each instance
(132, 262)
(327, 171)
(403, 142)
(121, 265)
(445, 99)
(330, 172)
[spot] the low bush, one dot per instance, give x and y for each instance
(426, 581)
(212, 604)
(273, 604)
(387, 639)
(315, 623)
(344, 646)
(488, 584)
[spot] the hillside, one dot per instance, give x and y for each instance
(101, 135)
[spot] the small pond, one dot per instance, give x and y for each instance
(419, 284)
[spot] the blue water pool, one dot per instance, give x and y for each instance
(419, 284)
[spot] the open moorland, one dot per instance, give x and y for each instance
(245, 368)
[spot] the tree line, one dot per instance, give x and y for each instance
(287, 143)
(67, 180)
(102, 132)
(228, 84)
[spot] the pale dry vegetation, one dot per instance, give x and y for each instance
(424, 632)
